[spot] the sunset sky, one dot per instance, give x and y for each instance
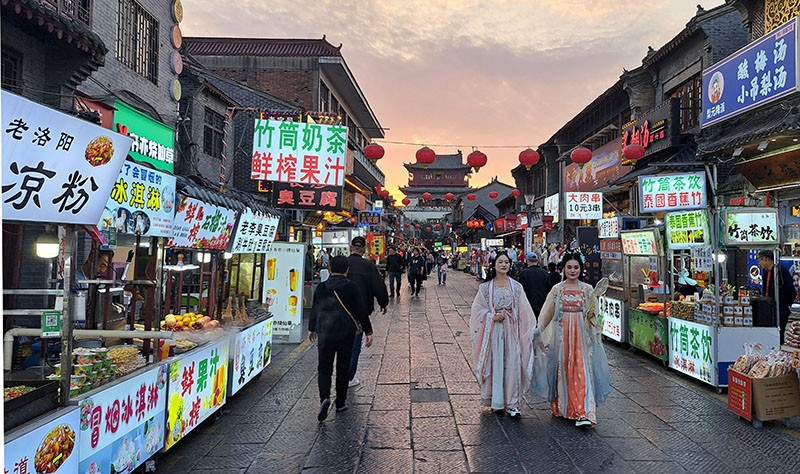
(501, 73)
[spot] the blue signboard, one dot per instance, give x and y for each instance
(761, 72)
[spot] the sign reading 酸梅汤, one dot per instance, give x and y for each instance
(293, 152)
(749, 226)
(656, 130)
(153, 142)
(759, 73)
(691, 349)
(315, 197)
(687, 229)
(672, 192)
(56, 168)
(255, 232)
(201, 225)
(583, 205)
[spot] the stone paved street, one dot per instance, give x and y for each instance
(417, 410)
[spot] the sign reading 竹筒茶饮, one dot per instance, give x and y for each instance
(672, 192)
(751, 226)
(692, 349)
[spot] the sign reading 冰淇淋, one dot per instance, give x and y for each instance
(283, 285)
(753, 226)
(672, 192)
(294, 152)
(687, 229)
(640, 242)
(153, 142)
(197, 388)
(201, 225)
(551, 207)
(255, 232)
(583, 205)
(691, 349)
(759, 73)
(608, 228)
(142, 202)
(56, 168)
(123, 426)
(610, 312)
(52, 447)
(250, 353)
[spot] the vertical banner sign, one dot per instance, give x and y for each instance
(293, 152)
(757, 74)
(687, 229)
(197, 383)
(268, 344)
(691, 349)
(283, 285)
(142, 202)
(200, 225)
(376, 246)
(249, 347)
(754, 274)
(610, 312)
(153, 142)
(740, 394)
(255, 232)
(50, 448)
(123, 426)
(589, 245)
(672, 192)
(551, 207)
(582, 205)
(702, 258)
(56, 168)
(750, 227)
(608, 228)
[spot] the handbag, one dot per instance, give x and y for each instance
(359, 329)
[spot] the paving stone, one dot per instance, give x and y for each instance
(430, 409)
(380, 437)
(650, 467)
(636, 449)
(489, 458)
(440, 462)
(436, 427)
(671, 440)
(381, 461)
(436, 443)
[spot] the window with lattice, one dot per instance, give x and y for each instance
(213, 132)
(137, 39)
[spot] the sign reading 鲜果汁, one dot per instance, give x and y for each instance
(583, 205)
(749, 226)
(153, 142)
(201, 225)
(692, 349)
(672, 192)
(759, 73)
(687, 229)
(56, 168)
(294, 152)
(255, 232)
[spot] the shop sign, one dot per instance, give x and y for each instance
(60, 436)
(251, 349)
(611, 249)
(376, 245)
(122, 426)
(142, 202)
(755, 226)
(293, 152)
(153, 142)
(702, 258)
(488, 243)
(601, 171)
(687, 229)
(200, 225)
(56, 168)
(772, 170)
(360, 202)
(197, 383)
(757, 74)
(610, 312)
(255, 232)
(608, 228)
(283, 285)
(51, 324)
(692, 349)
(551, 207)
(582, 205)
(640, 242)
(369, 218)
(657, 130)
(536, 217)
(499, 225)
(740, 394)
(476, 223)
(672, 192)
(649, 333)
(377, 205)
(347, 199)
(307, 196)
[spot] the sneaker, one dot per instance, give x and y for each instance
(341, 408)
(583, 422)
(353, 383)
(323, 409)
(513, 412)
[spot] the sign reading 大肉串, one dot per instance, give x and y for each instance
(672, 192)
(583, 205)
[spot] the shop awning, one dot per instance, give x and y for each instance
(201, 189)
(509, 234)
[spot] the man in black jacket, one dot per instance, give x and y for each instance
(336, 308)
(394, 267)
(786, 292)
(535, 281)
(371, 286)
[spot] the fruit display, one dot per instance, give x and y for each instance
(655, 308)
(14, 392)
(188, 322)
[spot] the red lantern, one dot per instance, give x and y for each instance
(633, 152)
(385, 193)
(438, 226)
(529, 158)
(450, 196)
(471, 197)
(373, 152)
(427, 229)
(449, 225)
(418, 226)
(493, 195)
(476, 160)
(426, 196)
(581, 156)
(378, 188)
(515, 192)
(406, 202)
(407, 226)
(425, 156)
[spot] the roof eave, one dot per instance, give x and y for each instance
(343, 80)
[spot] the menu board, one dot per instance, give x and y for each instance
(251, 350)
(255, 232)
(283, 285)
(640, 242)
(608, 228)
(687, 229)
(57, 438)
(583, 205)
(201, 225)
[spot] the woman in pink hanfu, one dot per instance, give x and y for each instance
(501, 327)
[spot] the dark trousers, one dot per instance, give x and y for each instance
(416, 283)
(354, 355)
(394, 282)
(340, 349)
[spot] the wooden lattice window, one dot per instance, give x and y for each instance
(137, 39)
(213, 131)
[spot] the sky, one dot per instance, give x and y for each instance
(499, 75)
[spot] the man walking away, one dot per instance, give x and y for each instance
(334, 314)
(416, 271)
(555, 277)
(394, 266)
(535, 281)
(365, 275)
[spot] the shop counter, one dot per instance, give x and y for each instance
(46, 444)
(649, 333)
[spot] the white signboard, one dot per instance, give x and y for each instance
(123, 426)
(608, 228)
(551, 207)
(283, 285)
(294, 152)
(672, 192)
(29, 452)
(750, 227)
(255, 232)
(640, 242)
(692, 349)
(489, 243)
(610, 311)
(251, 350)
(201, 225)
(702, 258)
(584, 205)
(56, 168)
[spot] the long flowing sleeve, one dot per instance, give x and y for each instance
(526, 326)
(480, 322)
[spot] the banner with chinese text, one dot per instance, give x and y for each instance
(123, 426)
(153, 142)
(197, 388)
(753, 226)
(687, 229)
(60, 434)
(376, 246)
(692, 349)
(201, 225)
(368, 218)
(581, 205)
(56, 168)
(672, 192)
(315, 197)
(610, 312)
(611, 249)
(283, 285)
(294, 152)
(255, 232)
(251, 350)
(551, 207)
(640, 242)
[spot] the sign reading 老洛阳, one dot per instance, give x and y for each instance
(754, 226)
(672, 192)
(294, 152)
(759, 73)
(153, 142)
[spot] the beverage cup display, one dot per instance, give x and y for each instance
(272, 264)
(293, 279)
(293, 305)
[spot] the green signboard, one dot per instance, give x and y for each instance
(51, 323)
(153, 142)
(687, 229)
(649, 333)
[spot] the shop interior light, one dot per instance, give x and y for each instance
(228, 255)
(203, 257)
(47, 245)
(721, 257)
(658, 222)
(181, 268)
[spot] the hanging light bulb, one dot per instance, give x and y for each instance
(47, 245)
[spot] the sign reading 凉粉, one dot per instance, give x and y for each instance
(756, 226)
(56, 168)
(672, 192)
(294, 152)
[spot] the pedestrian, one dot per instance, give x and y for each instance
(371, 285)
(545, 256)
(442, 270)
(535, 281)
(336, 318)
(555, 277)
(501, 326)
(786, 293)
(576, 378)
(326, 258)
(416, 271)
(430, 261)
(555, 254)
(394, 267)
(309, 263)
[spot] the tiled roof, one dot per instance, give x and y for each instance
(265, 47)
(443, 162)
(483, 200)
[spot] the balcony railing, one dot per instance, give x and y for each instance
(76, 10)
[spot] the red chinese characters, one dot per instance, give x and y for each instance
(187, 381)
(112, 417)
(141, 404)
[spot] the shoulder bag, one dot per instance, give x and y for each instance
(359, 329)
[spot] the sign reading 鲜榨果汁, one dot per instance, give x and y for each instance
(759, 73)
(583, 205)
(153, 142)
(201, 225)
(750, 226)
(56, 168)
(687, 229)
(255, 232)
(672, 192)
(294, 152)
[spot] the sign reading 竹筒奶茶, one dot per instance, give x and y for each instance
(672, 192)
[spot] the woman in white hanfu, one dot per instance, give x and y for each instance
(501, 327)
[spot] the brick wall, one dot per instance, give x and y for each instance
(33, 53)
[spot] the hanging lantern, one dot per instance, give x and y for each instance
(425, 156)
(406, 202)
(427, 229)
(385, 193)
(373, 152)
(407, 225)
(418, 226)
(449, 196)
(438, 226)
(426, 196)
(515, 192)
(378, 189)
(529, 157)
(471, 197)
(449, 225)
(476, 160)
(493, 195)
(581, 156)
(634, 152)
